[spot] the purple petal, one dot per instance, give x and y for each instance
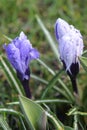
(20, 52)
(34, 54)
(13, 55)
(16, 42)
(27, 52)
(56, 31)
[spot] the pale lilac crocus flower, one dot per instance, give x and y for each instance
(70, 45)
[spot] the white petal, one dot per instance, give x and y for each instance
(70, 42)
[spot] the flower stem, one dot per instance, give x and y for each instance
(75, 122)
(25, 84)
(74, 84)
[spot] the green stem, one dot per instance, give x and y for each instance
(55, 122)
(81, 113)
(67, 91)
(52, 101)
(76, 122)
(51, 83)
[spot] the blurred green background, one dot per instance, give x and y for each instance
(19, 15)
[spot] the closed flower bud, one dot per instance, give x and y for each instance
(70, 45)
(20, 52)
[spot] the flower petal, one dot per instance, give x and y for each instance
(70, 42)
(34, 54)
(20, 52)
(13, 55)
(61, 28)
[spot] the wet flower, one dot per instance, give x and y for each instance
(20, 52)
(70, 45)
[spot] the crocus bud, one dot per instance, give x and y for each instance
(70, 45)
(19, 53)
(70, 48)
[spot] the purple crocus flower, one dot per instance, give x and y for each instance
(70, 46)
(20, 52)
(70, 43)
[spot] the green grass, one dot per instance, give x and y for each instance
(20, 15)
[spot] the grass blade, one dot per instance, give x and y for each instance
(10, 111)
(11, 75)
(67, 93)
(52, 101)
(8, 38)
(83, 61)
(39, 79)
(51, 83)
(58, 125)
(46, 66)
(48, 36)
(4, 124)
